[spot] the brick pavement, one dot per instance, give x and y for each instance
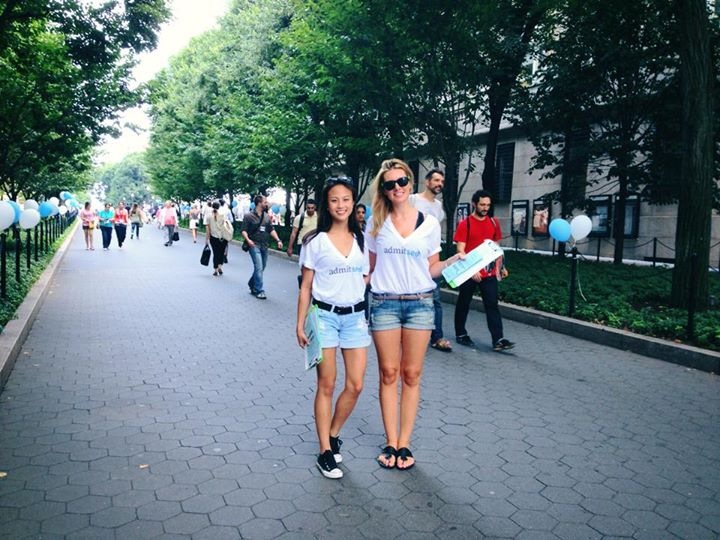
(152, 400)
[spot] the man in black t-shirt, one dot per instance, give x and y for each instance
(257, 229)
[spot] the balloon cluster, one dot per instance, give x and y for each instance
(578, 228)
(32, 212)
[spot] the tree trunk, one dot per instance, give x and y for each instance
(692, 237)
(450, 194)
(619, 219)
(497, 106)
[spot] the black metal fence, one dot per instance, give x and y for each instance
(20, 248)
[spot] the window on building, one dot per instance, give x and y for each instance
(504, 162)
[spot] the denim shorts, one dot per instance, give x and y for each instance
(345, 331)
(417, 314)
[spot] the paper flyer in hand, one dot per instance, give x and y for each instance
(313, 350)
(459, 272)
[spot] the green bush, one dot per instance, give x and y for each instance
(629, 297)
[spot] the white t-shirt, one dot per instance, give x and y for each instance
(338, 279)
(434, 208)
(401, 264)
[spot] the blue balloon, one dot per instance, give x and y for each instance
(17, 209)
(64, 195)
(233, 204)
(368, 212)
(45, 209)
(275, 209)
(560, 230)
(252, 206)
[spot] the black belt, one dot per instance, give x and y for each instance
(360, 306)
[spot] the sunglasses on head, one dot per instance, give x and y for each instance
(335, 180)
(389, 185)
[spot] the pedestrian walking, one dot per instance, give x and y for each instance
(88, 218)
(105, 218)
(302, 225)
(404, 248)
(120, 220)
(257, 229)
(169, 220)
(137, 218)
(470, 233)
(428, 203)
(193, 223)
(214, 235)
(334, 267)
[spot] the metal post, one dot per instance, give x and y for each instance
(16, 237)
(691, 298)
(516, 241)
(573, 282)
(36, 244)
(597, 258)
(553, 247)
(654, 250)
(3, 265)
(28, 251)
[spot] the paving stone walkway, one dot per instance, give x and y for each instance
(152, 400)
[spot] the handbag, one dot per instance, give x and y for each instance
(205, 257)
(176, 236)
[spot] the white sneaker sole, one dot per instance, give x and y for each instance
(334, 474)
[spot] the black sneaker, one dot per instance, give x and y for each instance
(465, 340)
(327, 465)
(335, 444)
(503, 344)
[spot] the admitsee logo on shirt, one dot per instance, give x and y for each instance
(344, 270)
(402, 251)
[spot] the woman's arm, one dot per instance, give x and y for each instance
(303, 304)
(437, 266)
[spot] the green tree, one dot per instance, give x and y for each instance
(125, 181)
(64, 76)
(604, 74)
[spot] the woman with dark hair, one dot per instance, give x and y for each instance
(214, 236)
(404, 248)
(334, 266)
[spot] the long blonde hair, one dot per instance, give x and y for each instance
(381, 205)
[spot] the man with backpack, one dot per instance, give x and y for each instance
(302, 224)
(470, 233)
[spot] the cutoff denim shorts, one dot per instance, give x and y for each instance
(418, 314)
(345, 331)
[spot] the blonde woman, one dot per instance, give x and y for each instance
(404, 248)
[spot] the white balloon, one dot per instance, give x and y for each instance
(55, 209)
(29, 218)
(7, 215)
(580, 226)
(31, 205)
(54, 200)
(63, 210)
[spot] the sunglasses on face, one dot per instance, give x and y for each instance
(389, 185)
(335, 180)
